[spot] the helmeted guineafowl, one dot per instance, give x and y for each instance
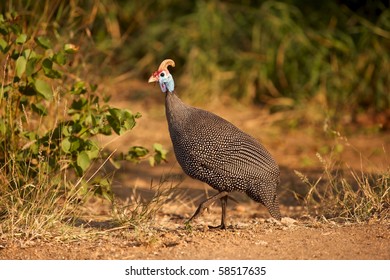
(213, 150)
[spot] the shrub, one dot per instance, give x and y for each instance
(49, 118)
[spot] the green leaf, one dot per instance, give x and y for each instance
(115, 163)
(4, 30)
(44, 89)
(93, 153)
(120, 120)
(28, 90)
(66, 145)
(78, 88)
(71, 49)
(3, 45)
(105, 130)
(102, 187)
(43, 42)
(93, 87)
(90, 121)
(20, 66)
(75, 128)
(60, 58)
(22, 38)
(136, 153)
(79, 104)
(47, 65)
(160, 154)
(53, 74)
(152, 161)
(83, 160)
(16, 29)
(39, 109)
(30, 67)
(29, 54)
(71, 144)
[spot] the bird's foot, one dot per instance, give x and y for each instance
(221, 226)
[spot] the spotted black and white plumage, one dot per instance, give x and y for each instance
(213, 150)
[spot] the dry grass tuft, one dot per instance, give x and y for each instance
(347, 195)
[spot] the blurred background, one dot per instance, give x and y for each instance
(284, 55)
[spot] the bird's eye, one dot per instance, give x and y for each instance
(162, 74)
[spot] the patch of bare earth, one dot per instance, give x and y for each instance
(251, 239)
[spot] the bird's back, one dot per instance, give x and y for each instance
(213, 150)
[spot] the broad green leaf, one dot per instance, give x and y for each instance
(70, 48)
(90, 120)
(29, 54)
(78, 88)
(93, 87)
(152, 161)
(79, 103)
(63, 130)
(105, 130)
(44, 89)
(39, 109)
(78, 169)
(136, 153)
(114, 123)
(22, 38)
(53, 74)
(160, 154)
(106, 98)
(75, 128)
(120, 120)
(115, 163)
(30, 67)
(43, 42)
(102, 187)
(75, 144)
(129, 121)
(83, 160)
(3, 45)
(93, 153)
(16, 29)
(71, 144)
(3, 29)
(28, 90)
(47, 63)
(20, 66)
(60, 58)
(66, 145)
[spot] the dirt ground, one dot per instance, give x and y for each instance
(255, 239)
(251, 234)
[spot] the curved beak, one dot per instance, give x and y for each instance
(152, 79)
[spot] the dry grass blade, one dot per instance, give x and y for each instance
(356, 197)
(140, 213)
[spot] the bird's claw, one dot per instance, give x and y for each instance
(222, 226)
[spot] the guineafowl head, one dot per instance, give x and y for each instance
(163, 77)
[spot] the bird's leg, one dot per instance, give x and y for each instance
(223, 216)
(224, 200)
(205, 204)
